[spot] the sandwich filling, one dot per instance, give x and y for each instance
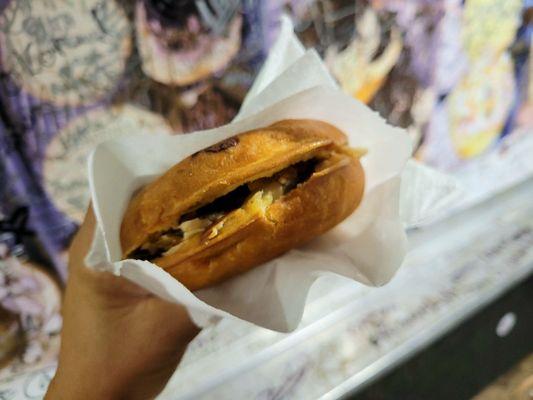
(208, 219)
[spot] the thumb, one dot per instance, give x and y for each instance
(83, 238)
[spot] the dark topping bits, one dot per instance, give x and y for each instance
(224, 204)
(143, 254)
(304, 170)
(221, 146)
(175, 232)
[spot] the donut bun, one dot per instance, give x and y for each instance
(244, 201)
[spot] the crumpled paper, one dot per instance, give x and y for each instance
(369, 246)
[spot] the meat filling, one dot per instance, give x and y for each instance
(206, 217)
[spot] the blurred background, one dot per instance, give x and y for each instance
(455, 74)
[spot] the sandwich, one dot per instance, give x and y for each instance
(244, 201)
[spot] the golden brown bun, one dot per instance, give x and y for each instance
(207, 175)
(248, 237)
(306, 212)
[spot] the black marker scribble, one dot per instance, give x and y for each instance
(94, 13)
(36, 43)
(216, 14)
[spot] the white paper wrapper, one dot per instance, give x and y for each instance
(368, 247)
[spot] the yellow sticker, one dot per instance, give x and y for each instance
(479, 106)
(489, 26)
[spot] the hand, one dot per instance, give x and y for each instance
(118, 341)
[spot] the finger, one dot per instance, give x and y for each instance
(89, 223)
(82, 240)
(103, 281)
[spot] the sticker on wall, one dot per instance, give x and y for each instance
(489, 27)
(479, 105)
(63, 51)
(362, 67)
(65, 166)
(181, 44)
(30, 302)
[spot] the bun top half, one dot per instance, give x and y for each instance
(219, 169)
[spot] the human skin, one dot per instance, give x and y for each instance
(118, 341)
